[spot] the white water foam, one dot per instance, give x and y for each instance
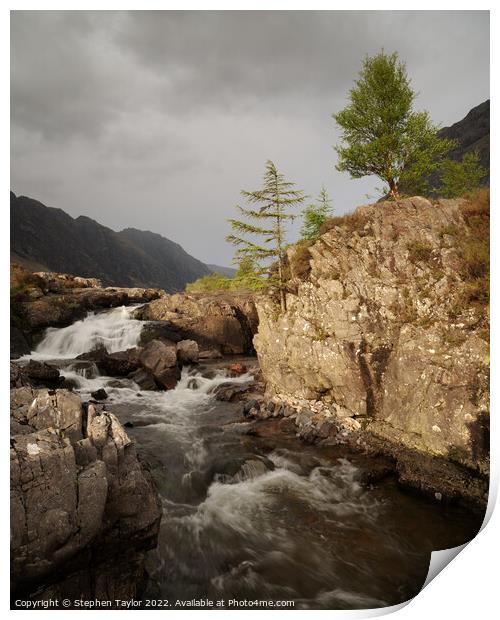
(115, 330)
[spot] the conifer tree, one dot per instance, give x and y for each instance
(315, 214)
(382, 134)
(273, 203)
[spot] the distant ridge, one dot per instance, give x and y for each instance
(229, 272)
(48, 238)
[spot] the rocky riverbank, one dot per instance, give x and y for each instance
(80, 497)
(385, 341)
(84, 508)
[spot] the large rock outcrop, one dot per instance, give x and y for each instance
(79, 494)
(388, 325)
(225, 322)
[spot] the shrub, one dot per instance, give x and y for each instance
(218, 282)
(206, 284)
(352, 222)
(474, 248)
(459, 176)
(419, 251)
(300, 260)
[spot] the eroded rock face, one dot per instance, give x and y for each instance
(76, 485)
(378, 333)
(224, 322)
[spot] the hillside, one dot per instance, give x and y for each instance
(472, 134)
(50, 239)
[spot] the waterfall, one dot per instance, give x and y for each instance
(114, 329)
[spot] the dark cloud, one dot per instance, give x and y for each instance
(158, 119)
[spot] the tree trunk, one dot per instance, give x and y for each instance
(281, 284)
(393, 189)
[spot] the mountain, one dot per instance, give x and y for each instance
(472, 134)
(229, 272)
(45, 238)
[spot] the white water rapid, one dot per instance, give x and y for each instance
(113, 329)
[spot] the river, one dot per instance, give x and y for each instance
(258, 518)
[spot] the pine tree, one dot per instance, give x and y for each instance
(315, 214)
(382, 134)
(460, 177)
(273, 201)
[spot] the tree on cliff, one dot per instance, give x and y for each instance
(315, 214)
(382, 134)
(273, 201)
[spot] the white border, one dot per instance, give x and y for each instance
(467, 587)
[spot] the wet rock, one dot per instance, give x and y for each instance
(160, 359)
(116, 383)
(231, 392)
(41, 374)
(236, 469)
(144, 379)
(187, 352)
(157, 330)
(19, 342)
(100, 394)
(118, 364)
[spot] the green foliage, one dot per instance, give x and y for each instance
(382, 134)
(245, 279)
(460, 177)
(315, 214)
(272, 202)
(207, 284)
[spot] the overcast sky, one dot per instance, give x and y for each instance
(157, 120)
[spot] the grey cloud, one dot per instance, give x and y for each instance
(158, 119)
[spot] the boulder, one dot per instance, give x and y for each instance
(187, 352)
(42, 374)
(231, 392)
(160, 359)
(225, 322)
(119, 364)
(144, 379)
(99, 394)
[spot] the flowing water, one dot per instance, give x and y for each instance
(248, 518)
